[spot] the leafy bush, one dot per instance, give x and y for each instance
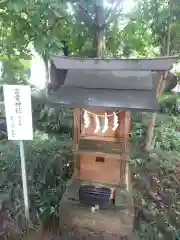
(54, 120)
(157, 179)
(169, 103)
(49, 165)
(51, 161)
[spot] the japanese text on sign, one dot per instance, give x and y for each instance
(17, 100)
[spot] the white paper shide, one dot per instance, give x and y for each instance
(17, 99)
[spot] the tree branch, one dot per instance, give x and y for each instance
(111, 10)
(87, 15)
(55, 23)
(108, 17)
(59, 16)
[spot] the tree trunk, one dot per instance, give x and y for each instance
(100, 44)
(160, 86)
(100, 24)
(46, 64)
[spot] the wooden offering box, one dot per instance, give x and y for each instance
(108, 170)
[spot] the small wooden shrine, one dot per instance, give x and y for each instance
(103, 93)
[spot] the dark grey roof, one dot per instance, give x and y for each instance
(139, 80)
(143, 100)
(154, 64)
(113, 84)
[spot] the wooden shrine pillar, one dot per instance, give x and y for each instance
(77, 118)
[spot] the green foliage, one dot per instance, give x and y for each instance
(143, 32)
(156, 176)
(50, 159)
(53, 22)
(51, 120)
(82, 41)
(24, 25)
(48, 168)
(14, 71)
(169, 103)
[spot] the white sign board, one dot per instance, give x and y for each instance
(17, 100)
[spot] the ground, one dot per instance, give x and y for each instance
(78, 222)
(76, 234)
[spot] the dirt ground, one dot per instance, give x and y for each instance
(75, 234)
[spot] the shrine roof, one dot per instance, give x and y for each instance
(143, 100)
(110, 83)
(132, 64)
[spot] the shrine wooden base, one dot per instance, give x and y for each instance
(111, 221)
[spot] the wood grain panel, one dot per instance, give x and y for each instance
(108, 171)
